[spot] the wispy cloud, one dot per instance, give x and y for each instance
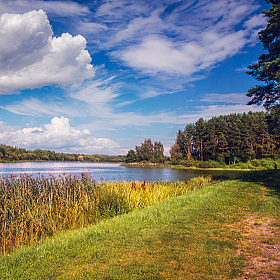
(256, 21)
(87, 27)
(156, 55)
(242, 69)
(96, 101)
(93, 99)
(207, 112)
(208, 33)
(96, 92)
(237, 98)
(44, 108)
(114, 11)
(136, 29)
(61, 8)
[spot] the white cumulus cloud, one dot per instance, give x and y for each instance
(31, 57)
(58, 135)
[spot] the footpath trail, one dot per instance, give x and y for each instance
(261, 236)
(263, 248)
(228, 230)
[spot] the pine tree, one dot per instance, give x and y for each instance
(189, 138)
(211, 144)
(182, 143)
(175, 152)
(158, 152)
(267, 69)
(131, 157)
(199, 138)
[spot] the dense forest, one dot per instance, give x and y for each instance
(9, 153)
(230, 138)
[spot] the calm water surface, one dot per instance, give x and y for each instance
(105, 171)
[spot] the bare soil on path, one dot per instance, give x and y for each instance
(261, 248)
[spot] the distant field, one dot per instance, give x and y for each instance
(228, 230)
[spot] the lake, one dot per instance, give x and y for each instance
(106, 171)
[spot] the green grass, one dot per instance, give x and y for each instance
(193, 236)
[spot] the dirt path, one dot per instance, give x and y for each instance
(261, 249)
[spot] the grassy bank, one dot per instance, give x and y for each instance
(35, 208)
(204, 234)
(256, 164)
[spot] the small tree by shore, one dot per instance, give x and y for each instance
(148, 151)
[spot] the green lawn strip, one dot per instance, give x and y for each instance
(193, 236)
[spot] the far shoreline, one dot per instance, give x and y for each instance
(179, 166)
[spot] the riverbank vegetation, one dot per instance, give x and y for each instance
(10, 153)
(256, 164)
(34, 208)
(228, 230)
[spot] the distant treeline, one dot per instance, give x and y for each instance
(9, 153)
(230, 138)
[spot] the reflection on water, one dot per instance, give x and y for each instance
(106, 171)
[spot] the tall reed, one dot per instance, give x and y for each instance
(34, 208)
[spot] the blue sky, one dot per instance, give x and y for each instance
(101, 76)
